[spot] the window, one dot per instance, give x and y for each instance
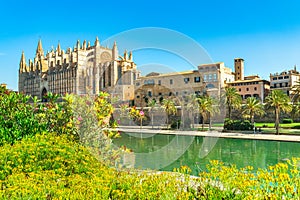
(186, 80)
(240, 89)
(275, 85)
(171, 81)
(197, 79)
(149, 93)
(255, 88)
(205, 77)
(160, 93)
(159, 82)
(138, 97)
(247, 89)
(286, 84)
(170, 94)
(65, 61)
(280, 84)
(176, 93)
(210, 76)
(286, 77)
(280, 77)
(137, 84)
(215, 76)
(149, 82)
(274, 78)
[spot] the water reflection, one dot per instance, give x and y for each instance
(166, 152)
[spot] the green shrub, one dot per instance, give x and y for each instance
(241, 125)
(175, 124)
(52, 167)
(17, 119)
(287, 121)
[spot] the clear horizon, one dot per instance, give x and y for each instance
(265, 34)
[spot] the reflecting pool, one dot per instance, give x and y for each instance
(166, 152)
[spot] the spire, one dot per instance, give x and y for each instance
(97, 43)
(84, 45)
(58, 48)
(30, 65)
(130, 55)
(39, 49)
(89, 44)
(78, 45)
(125, 55)
(22, 63)
(115, 45)
(115, 52)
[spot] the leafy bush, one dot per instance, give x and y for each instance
(17, 119)
(241, 125)
(175, 124)
(287, 121)
(94, 125)
(227, 182)
(52, 167)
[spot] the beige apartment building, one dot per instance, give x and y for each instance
(172, 85)
(252, 86)
(285, 80)
(209, 78)
(215, 76)
(248, 86)
(84, 70)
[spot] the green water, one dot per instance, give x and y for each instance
(166, 152)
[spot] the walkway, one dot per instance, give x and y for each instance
(256, 136)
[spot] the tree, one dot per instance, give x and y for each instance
(192, 106)
(253, 107)
(279, 101)
(232, 99)
(152, 104)
(295, 92)
(207, 107)
(169, 106)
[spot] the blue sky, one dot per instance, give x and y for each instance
(265, 33)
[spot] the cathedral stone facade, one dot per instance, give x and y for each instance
(84, 70)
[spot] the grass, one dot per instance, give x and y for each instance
(269, 128)
(271, 125)
(261, 124)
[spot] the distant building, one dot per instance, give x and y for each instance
(215, 76)
(3, 85)
(172, 85)
(285, 80)
(209, 78)
(85, 69)
(249, 86)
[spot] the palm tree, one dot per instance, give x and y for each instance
(207, 107)
(253, 107)
(152, 104)
(169, 106)
(232, 99)
(192, 106)
(278, 101)
(295, 92)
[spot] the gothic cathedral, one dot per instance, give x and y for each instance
(84, 70)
